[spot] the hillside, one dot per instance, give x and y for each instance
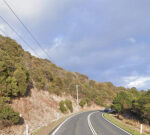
(45, 75)
(20, 72)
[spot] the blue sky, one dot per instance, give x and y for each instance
(108, 40)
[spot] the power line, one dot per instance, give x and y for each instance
(3, 32)
(33, 37)
(18, 34)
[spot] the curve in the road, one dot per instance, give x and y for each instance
(54, 132)
(88, 123)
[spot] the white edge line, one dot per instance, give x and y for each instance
(90, 125)
(54, 132)
(115, 125)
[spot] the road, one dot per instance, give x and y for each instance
(88, 123)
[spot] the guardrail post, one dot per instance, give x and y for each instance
(141, 128)
(27, 129)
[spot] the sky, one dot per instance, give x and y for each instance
(108, 40)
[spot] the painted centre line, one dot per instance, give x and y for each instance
(90, 125)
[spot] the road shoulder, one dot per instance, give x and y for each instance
(127, 128)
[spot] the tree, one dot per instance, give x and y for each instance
(22, 80)
(7, 114)
(12, 88)
(122, 102)
(142, 106)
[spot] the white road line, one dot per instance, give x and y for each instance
(54, 132)
(90, 125)
(115, 125)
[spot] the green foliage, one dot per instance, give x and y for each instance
(122, 101)
(142, 106)
(98, 101)
(4, 100)
(38, 77)
(138, 103)
(22, 78)
(82, 103)
(62, 107)
(117, 107)
(65, 105)
(14, 79)
(18, 69)
(47, 76)
(59, 82)
(88, 101)
(7, 115)
(14, 84)
(69, 105)
(11, 87)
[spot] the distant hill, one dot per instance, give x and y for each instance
(20, 71)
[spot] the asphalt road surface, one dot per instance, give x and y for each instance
(88, 123)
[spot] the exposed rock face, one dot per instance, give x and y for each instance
(37, 110)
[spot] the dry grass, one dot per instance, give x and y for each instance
(136, 124)
(130, 124)
(50, 127)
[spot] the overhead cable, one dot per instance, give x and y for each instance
(26, 43)
(26, 28)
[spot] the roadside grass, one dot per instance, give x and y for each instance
(131, 129)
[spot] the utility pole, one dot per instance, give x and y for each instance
(77, 86)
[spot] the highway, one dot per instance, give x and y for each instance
(88, 123)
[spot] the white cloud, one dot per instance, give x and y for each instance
(33, 12)
(2, 30)
(91, 34)
(24, 8)
(57, 43)
(132, 40)
(137, 81)
(5, 31)
(56, 48)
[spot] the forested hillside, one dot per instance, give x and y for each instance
(133, 102)
(19, 72)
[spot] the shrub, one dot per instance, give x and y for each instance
(69, 105)
(22, 80)
(82, 103)
(12, 88)
(62, 107)
(59, 82)
(98, 101)
(7, 114)
(88, 101)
